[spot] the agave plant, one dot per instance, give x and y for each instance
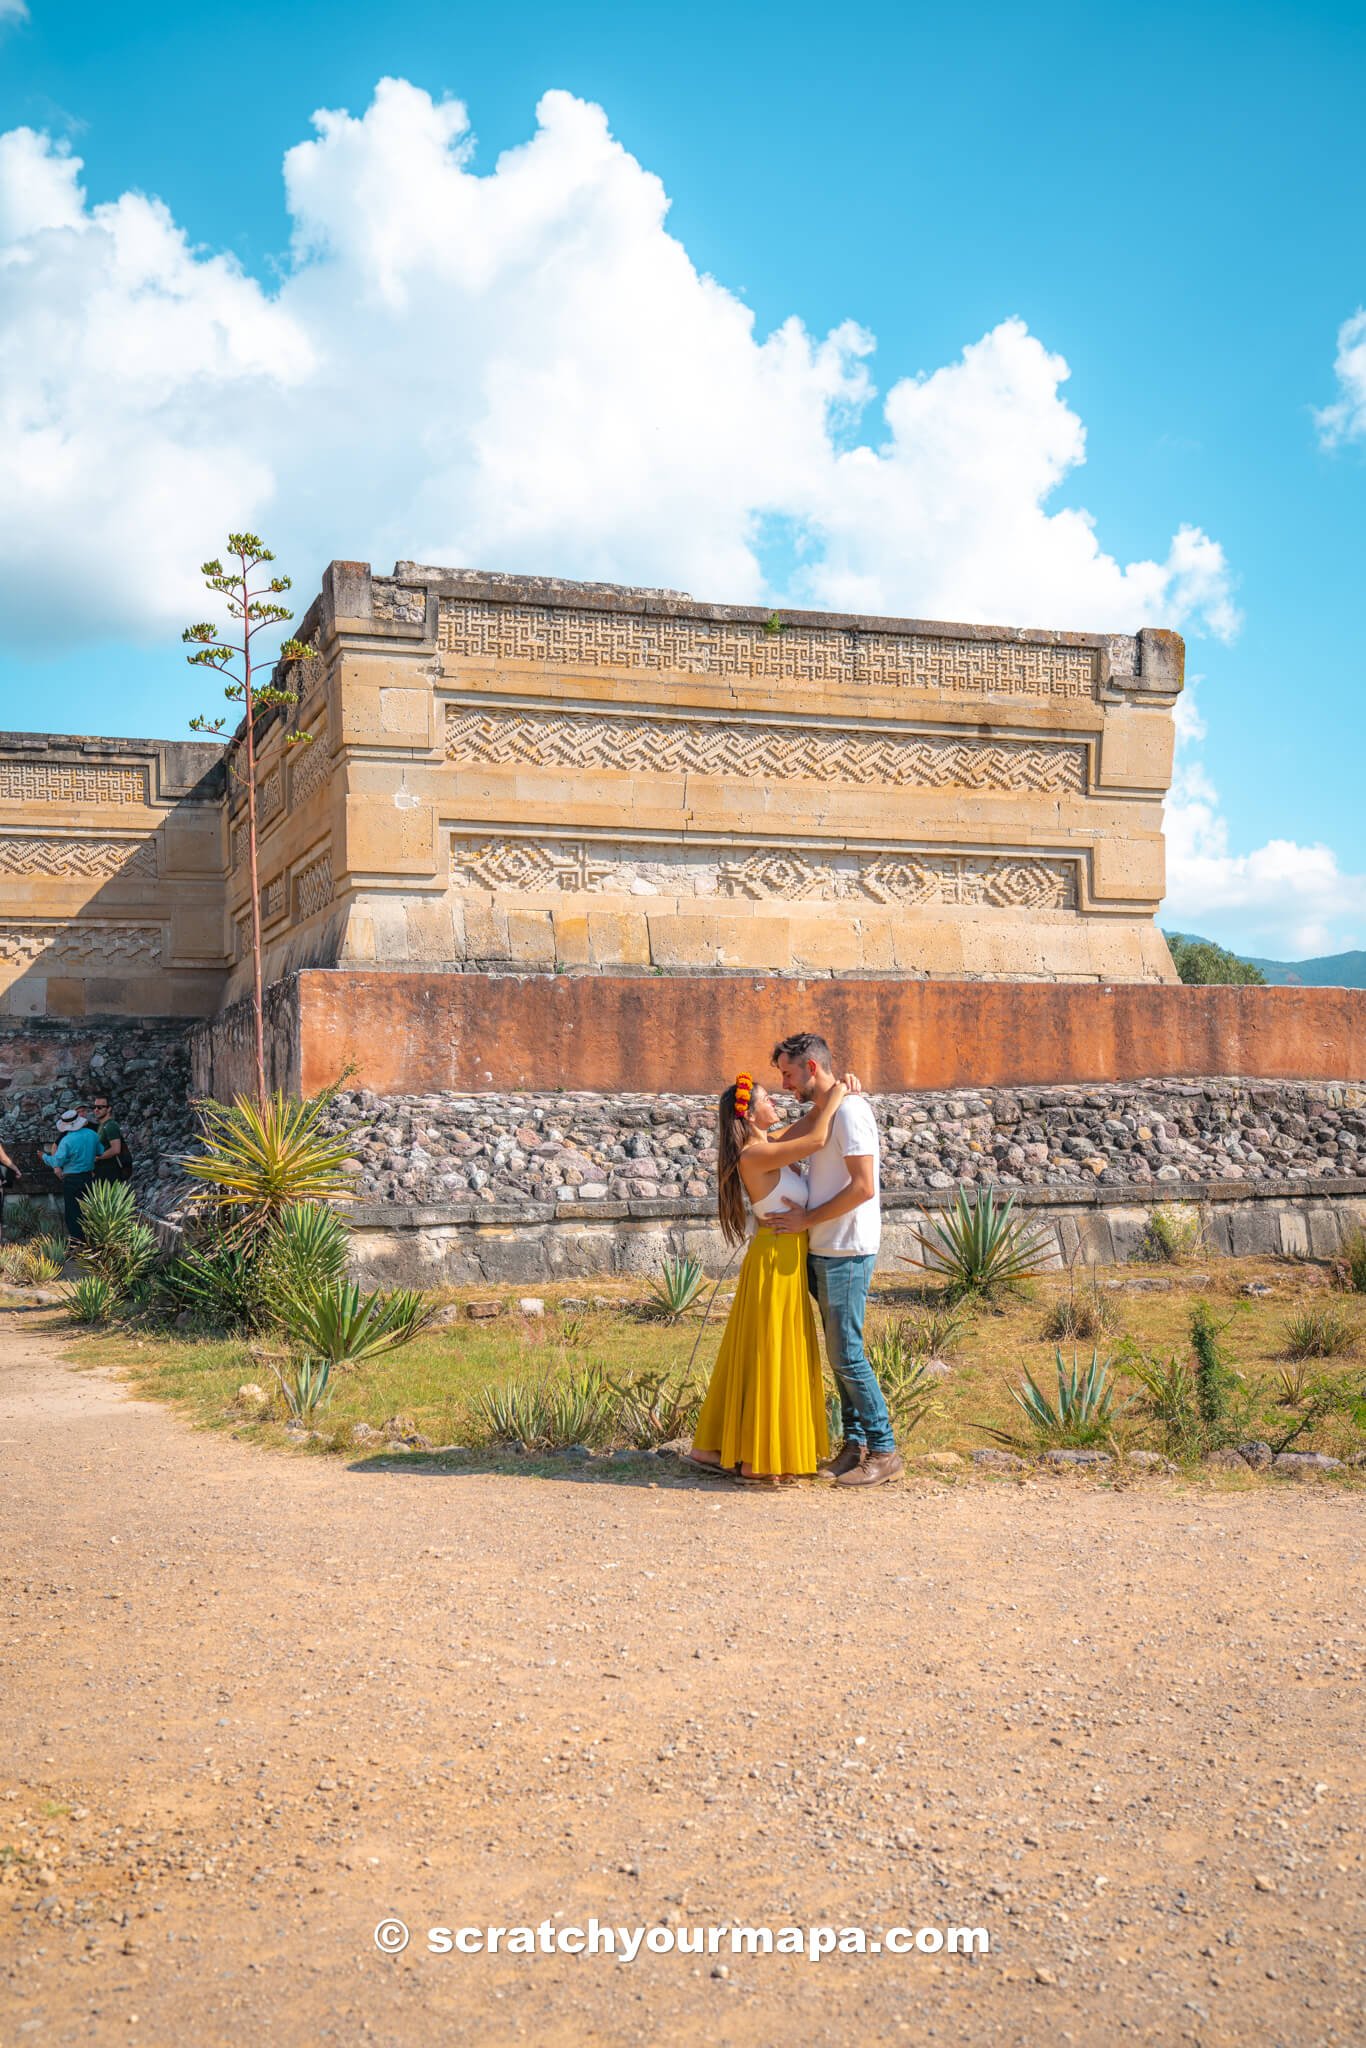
(259, 1160)
(41, 1260)
(340, 1323)
(677, 1288)
(92, 1299)
(22, 1217)
(307, 1388)
(1171, 1397)
(1084, 1411)
(655, 1407)
(980, 1245)
(118, 1245)
(567, 1408)
(222, 1285)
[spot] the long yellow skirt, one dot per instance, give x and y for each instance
(765, 1406)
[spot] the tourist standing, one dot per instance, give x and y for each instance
(73, 1162)
(114, 1161)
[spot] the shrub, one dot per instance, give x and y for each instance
(1320, 1332)
(258, 1161)
(1292, 1385)
(1215, 1378)
(1084, 1412)
(677, 1288)
(92, 1299)
(1170, 1398)
(980, 1245)
(1352, 1264)
(118, 1246)
(1174, 1232)
(1088, 1316)
(339, 1323)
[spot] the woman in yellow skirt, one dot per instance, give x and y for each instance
(764, 1412)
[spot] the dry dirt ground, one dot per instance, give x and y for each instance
(254, 1702)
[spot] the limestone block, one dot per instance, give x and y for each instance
(432, 933)
(573, 947)
(1129, 869)
(486, 932)
(763, 942)
(531, 938)
(683, 940)
(831, 941)
(1136, 749)
(878, 944)
(390, 836)
(618, 939)
(928, 946)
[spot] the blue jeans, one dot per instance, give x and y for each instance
(841, 1290)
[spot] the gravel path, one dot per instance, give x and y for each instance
(255, 1703)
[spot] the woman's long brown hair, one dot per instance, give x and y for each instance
(730, 1189)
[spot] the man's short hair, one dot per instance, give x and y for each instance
(804, 1045)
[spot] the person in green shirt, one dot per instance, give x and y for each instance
(113, 1162)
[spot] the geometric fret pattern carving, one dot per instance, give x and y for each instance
(897, 875)
(273, 899)
(562, 636)
(313, 886)
(271, 796)
(309, 767)
(239, 844)
(99, 944)
(73, 782)
(516, 737)
(92, 860)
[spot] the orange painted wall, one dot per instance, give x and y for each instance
(413, 1033)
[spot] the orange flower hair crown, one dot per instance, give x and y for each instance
(744, 1089)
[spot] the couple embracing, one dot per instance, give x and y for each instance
(812, 1191)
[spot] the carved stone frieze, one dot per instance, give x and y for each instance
(95, 860)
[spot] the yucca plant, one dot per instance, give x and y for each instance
(340, 1323)
(118, 1245)
(258, 1160)
(1083, 1413)
(677, 1287)
(981, 1245)
(1292, 1384)
(304, 1251)
(92, 1299)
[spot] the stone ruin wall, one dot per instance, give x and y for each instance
(502, 774)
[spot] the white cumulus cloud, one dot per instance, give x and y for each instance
(1282, 901)
(13, 10)
(520, 369)
(1345, 419)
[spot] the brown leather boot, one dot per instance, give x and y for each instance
(875, 1470)
(844, 1460)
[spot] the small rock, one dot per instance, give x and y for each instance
(1258, 1289)
(576, 1453)
(480, 1311)
(1044, 1977)
(531, 1305)
(942, 1461)
(450, 1312)
(1151, 1461)
(251, 1398)
(1224, 1461)
(999, 1461)
(1257, 1455)
(625, 1453)
(1077, 1458)
(573, 1305)
(1302, 1463)
(365, 1433)
(1263, 1884)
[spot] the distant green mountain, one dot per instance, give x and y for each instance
(1334, 970)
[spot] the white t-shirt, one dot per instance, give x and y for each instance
(859, 1232)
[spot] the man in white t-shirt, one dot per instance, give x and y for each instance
(844, 1221)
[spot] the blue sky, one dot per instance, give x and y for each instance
(1170, 200)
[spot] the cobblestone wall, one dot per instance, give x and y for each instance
(47, 1066)
(520, 1149)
